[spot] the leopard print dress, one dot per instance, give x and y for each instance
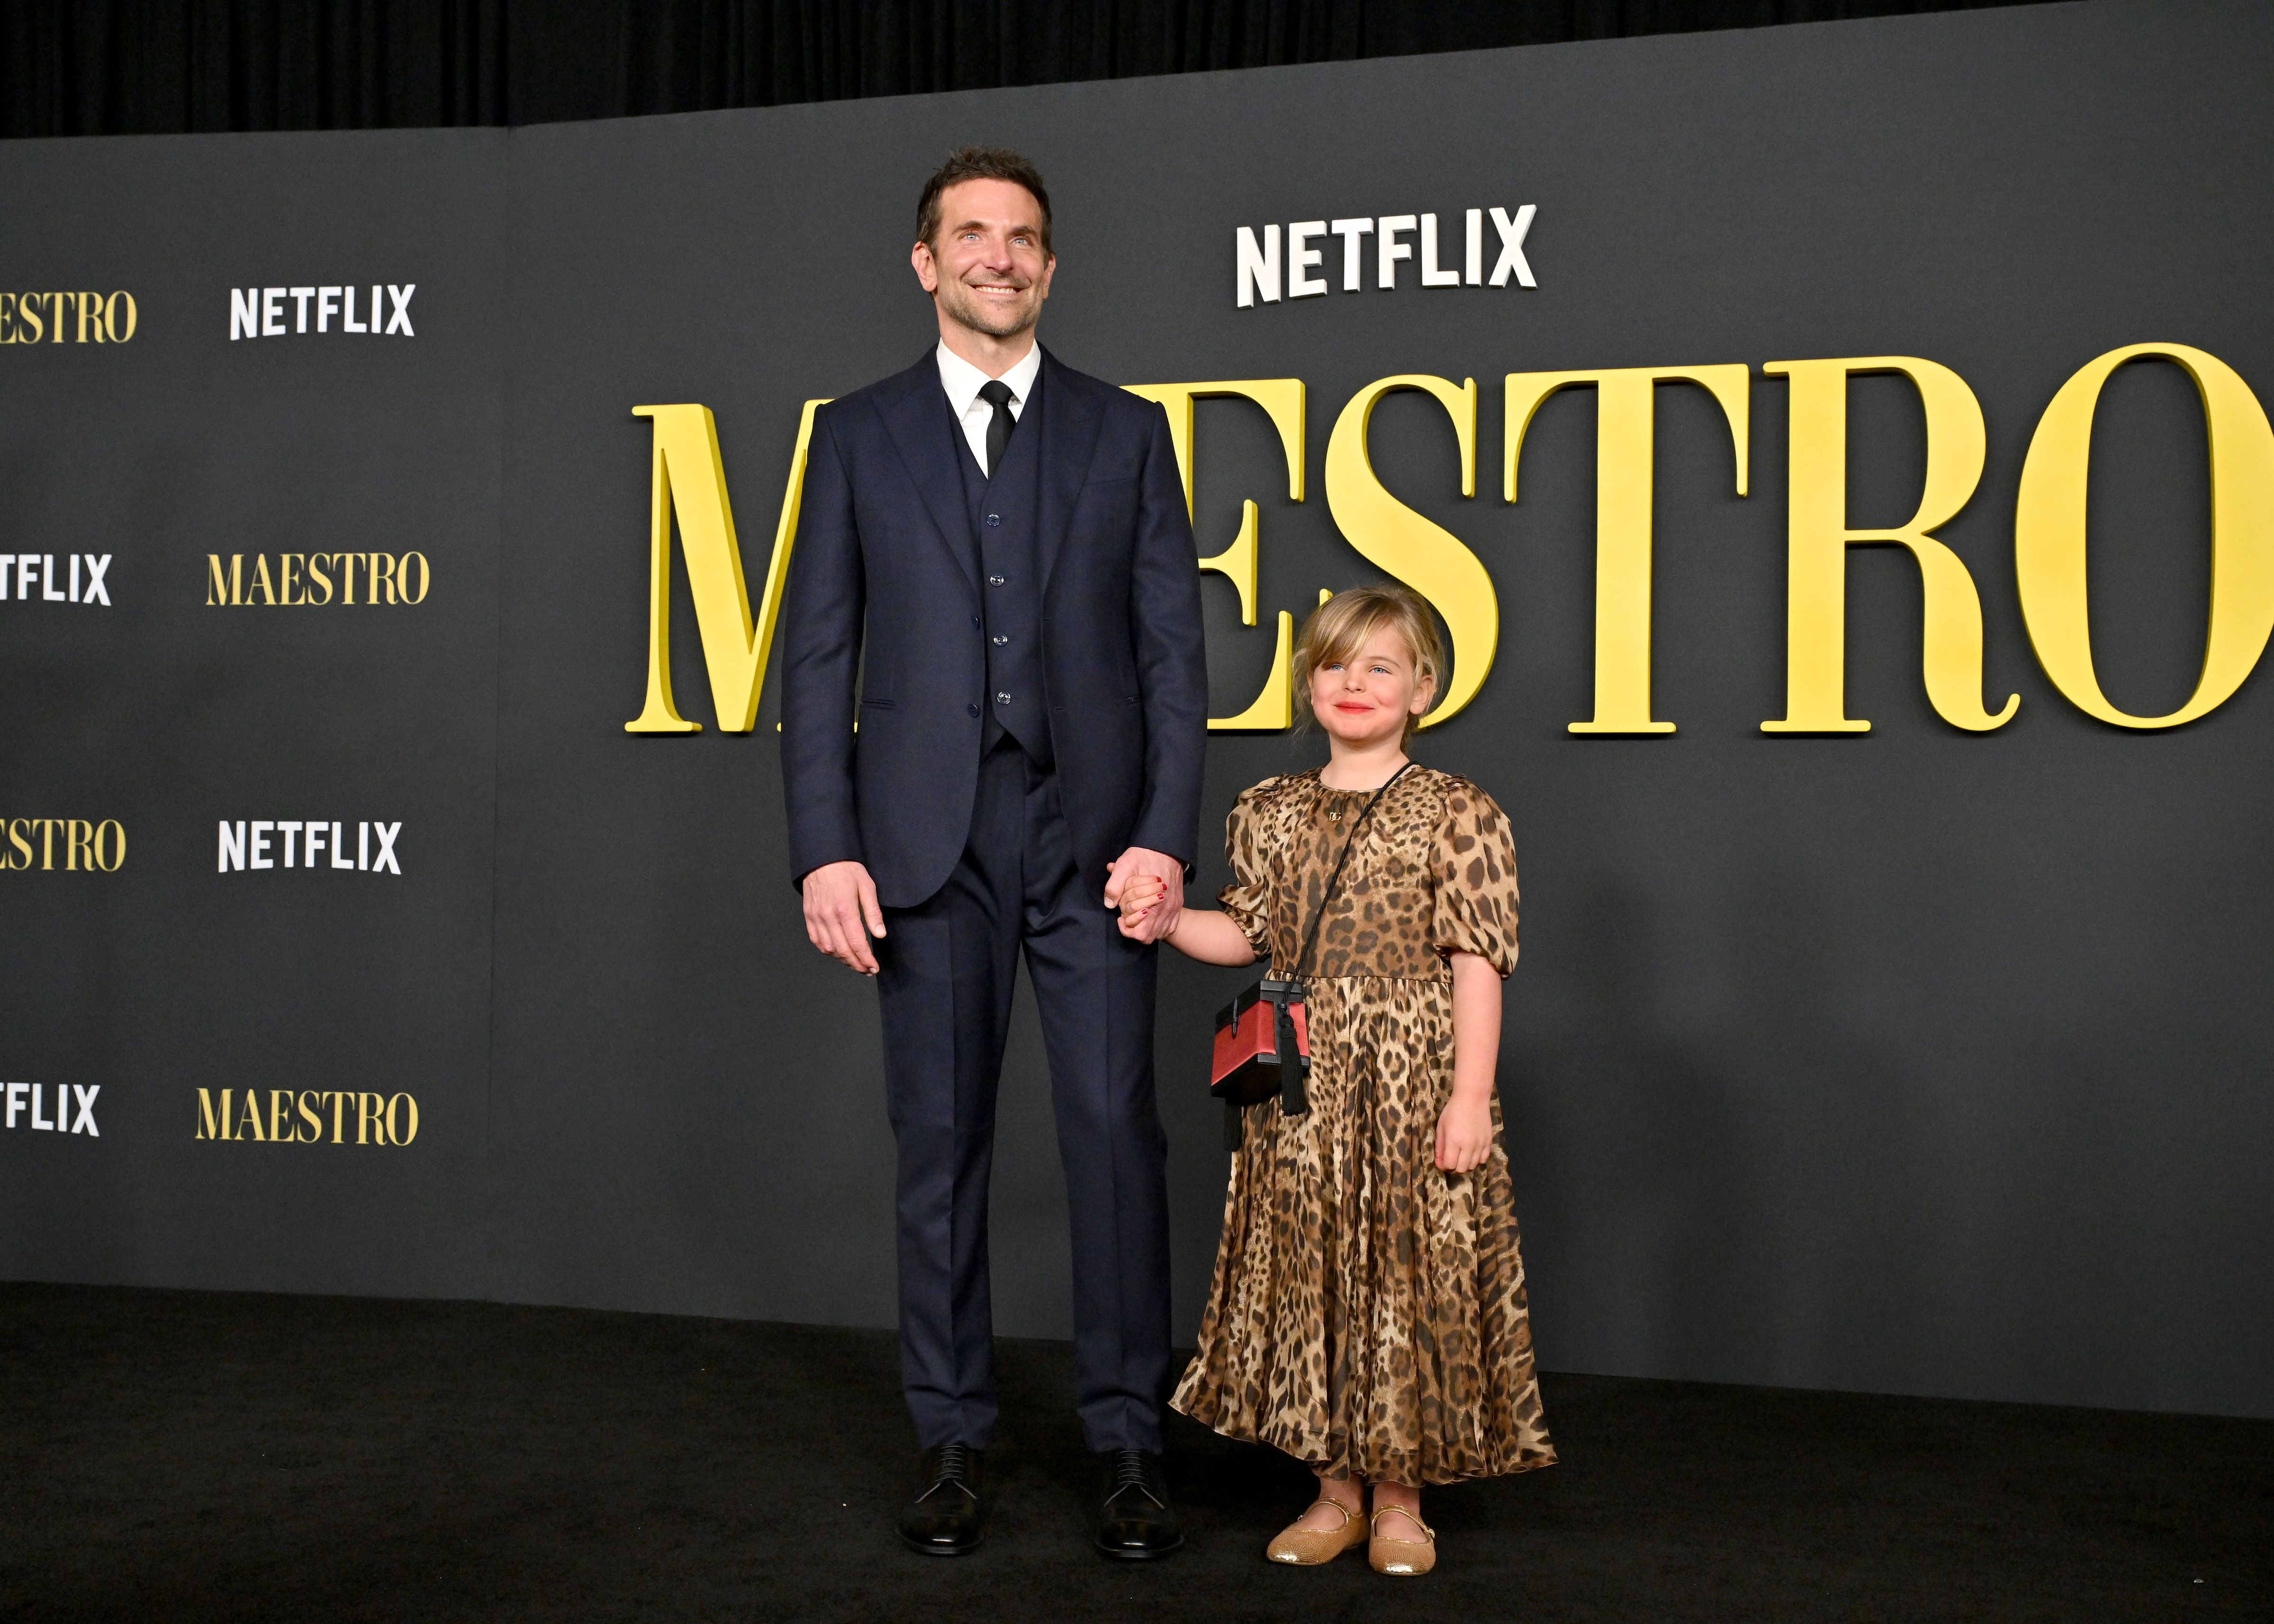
(1367, 1314)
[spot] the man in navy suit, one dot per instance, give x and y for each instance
(995, 574)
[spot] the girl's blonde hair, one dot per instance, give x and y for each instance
(1339, 627)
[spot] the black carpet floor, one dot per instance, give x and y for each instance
(184, 1456)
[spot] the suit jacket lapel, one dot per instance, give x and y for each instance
(1071, 421)
(917, 420)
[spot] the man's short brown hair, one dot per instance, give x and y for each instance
(979, 163)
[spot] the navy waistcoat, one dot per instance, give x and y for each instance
(1002, 525)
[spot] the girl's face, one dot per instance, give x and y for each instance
(1363, 702)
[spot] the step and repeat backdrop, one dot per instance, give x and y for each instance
(250, 494)
(1837, 455)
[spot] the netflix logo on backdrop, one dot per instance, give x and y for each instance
(1381, 244)
(363, 847)
(62, 1108)
(321, 309)
(38, 578)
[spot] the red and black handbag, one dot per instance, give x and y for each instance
(1263, 1037)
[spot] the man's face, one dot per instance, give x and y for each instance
(988, 270)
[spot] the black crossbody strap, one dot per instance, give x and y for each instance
(1357, 825)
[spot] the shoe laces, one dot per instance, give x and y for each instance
(1133, 1469)
(952, 1466)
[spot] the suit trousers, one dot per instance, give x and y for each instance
(945, 971)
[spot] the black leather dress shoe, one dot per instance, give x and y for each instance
(944, 1517)
(1134, 1524)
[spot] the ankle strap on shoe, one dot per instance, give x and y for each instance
(1374, 1523)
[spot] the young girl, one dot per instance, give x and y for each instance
(1367, 1314)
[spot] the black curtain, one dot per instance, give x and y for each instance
(114, 67)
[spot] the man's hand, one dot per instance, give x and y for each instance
(841, 914)
(1163, 919)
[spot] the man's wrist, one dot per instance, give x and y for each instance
(1183, 865)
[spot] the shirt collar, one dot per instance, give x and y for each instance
(962, 381)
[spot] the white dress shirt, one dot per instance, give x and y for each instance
(963, 381)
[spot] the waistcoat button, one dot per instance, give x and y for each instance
(973, 709)
(994, 519)
(994, 581)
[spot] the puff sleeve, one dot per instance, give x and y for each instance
(1246, 901)
(1475, 905)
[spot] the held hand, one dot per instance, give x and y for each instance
(1463, 1135)
(1139, 896)
(841, 914)
(1162, 918)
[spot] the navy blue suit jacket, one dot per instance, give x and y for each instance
(884, 588)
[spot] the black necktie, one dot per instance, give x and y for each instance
(997, 394)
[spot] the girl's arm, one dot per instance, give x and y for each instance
(1211, 938)
(1204, 934)
(1464, 1127)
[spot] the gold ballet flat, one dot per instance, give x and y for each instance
(1307, 1547)
(1404, 1559)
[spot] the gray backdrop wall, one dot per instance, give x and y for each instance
(1919, 1060)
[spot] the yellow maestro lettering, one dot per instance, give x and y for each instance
(1625, 434)
(2049, 534)
(1817, 539)
(1282, 398)
(299, 580)
(79, 317)
(306, 1117)
(1427, 558)
(690, 480)
(63, 845)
